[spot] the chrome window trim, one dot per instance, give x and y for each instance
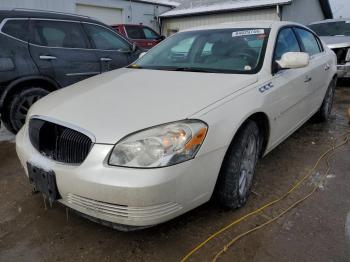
(2, 24)
(62, 20)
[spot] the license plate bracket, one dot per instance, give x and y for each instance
(43, 181)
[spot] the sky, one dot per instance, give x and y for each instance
(341, 8)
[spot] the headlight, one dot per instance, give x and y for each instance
(160, 146)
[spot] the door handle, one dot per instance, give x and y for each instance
(307, 79)
(327, 67)
(105, 59)
(47, 57)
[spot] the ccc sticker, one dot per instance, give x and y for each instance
(265, 88)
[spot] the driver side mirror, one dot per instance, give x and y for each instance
(162, 37)
(294, 60)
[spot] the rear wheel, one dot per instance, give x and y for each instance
(236, 175)
(326, 108)
(19, 107)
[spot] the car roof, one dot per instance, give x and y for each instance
(244, 24)
(135, 25)
(45, 15)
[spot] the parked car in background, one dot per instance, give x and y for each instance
(45, 51)
(225, 96)
(336, 34)
(142, 36)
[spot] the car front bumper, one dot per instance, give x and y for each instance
(344, 70)
(127, 196)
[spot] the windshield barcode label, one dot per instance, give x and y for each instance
(248, 32)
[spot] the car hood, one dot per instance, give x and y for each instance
(336, 41)
(115, 104)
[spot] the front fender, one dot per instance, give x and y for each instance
(5, 90)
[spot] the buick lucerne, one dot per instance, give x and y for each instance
(186, 122)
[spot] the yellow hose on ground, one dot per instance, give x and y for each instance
(227, 246)
(259, 210)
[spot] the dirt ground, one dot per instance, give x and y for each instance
(313, 231)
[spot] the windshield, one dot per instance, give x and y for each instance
(332, 28)
(217, 51)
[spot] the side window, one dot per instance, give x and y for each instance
(320, 44)
(105, 39)
(207, 49)
(58, 34)
(17, 29)
(309, 42)
(149, 34)
(184, 46)
(135, 32)
(286, 42)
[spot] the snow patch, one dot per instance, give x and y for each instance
(200, 6)
(162, 2)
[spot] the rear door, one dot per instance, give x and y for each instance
(111, 49)
(318, 75)
(61, 51)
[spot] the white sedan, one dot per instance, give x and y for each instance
(189, 120)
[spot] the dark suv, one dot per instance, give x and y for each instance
(44, 51)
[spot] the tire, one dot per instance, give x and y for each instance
(325, 110)
(19, 106)
(5, 118)
(237, 172)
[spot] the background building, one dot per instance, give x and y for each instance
(204, 12)
(176, 15)
(108, 11)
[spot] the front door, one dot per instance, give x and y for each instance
(288, 94)
(60, 51)
(112, 51)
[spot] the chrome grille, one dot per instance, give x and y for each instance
(341, 55)
(59, 143)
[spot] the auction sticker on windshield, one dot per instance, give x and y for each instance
(248, 32)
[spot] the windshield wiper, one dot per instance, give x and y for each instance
(193, 69)
(134, 66)
(183, 69)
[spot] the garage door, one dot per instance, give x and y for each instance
(107, 15)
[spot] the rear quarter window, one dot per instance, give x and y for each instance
(17, 28)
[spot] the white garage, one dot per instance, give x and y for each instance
(108, 11)
(107, 15)
(193, 13)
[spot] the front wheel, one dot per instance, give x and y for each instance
(236, 175)
(20, 104)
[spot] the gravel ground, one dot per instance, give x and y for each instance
(315, 230)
